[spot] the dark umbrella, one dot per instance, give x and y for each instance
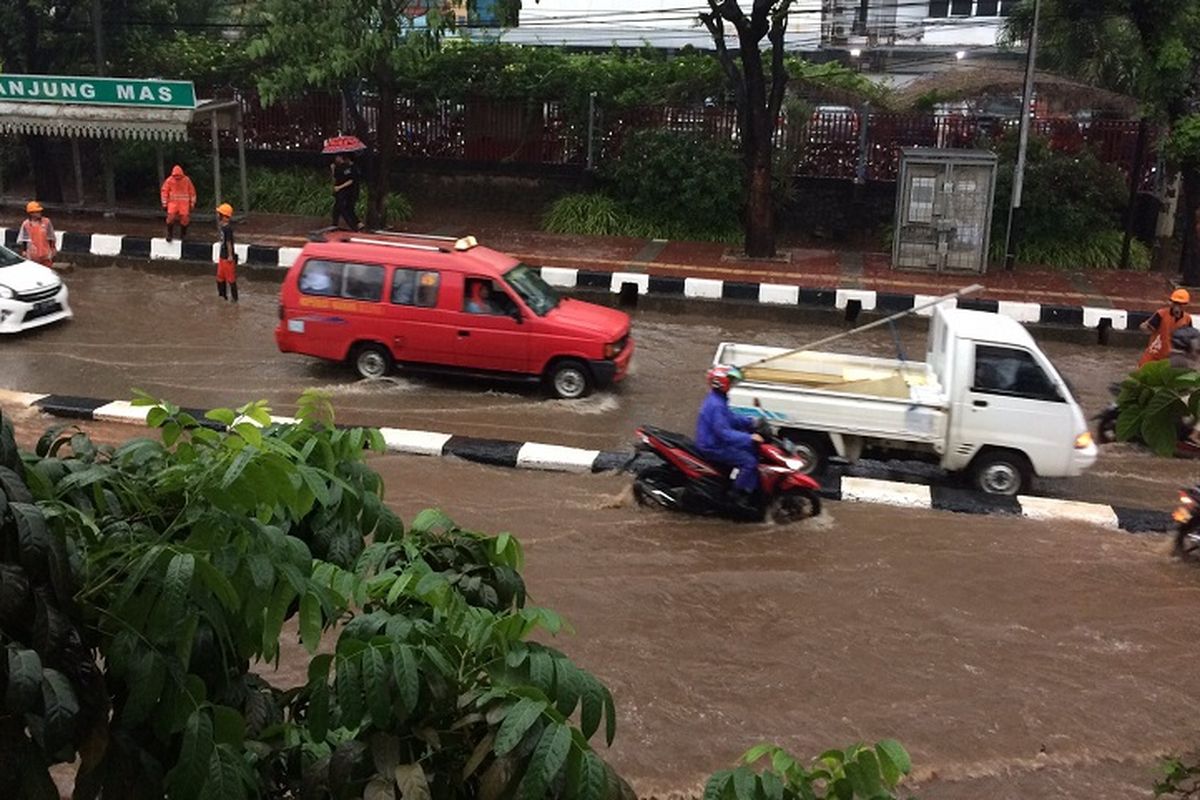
(343, 144)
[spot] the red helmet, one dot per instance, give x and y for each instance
(722, 376)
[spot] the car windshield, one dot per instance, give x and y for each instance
(536, 293)
(8, 258)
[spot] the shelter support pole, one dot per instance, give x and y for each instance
(1014, 209)
(216, 156)
(241, 142)
(591, 132)
(77, 164)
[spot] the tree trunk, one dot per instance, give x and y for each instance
(46, 185)
(760, 211)
(1190, 263)
(385, 137)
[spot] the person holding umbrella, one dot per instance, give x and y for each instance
(346, 179)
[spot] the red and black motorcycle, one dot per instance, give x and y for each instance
(686, 481)
(1187, 525)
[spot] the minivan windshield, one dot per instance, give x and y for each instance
(536, 293)
(8, 258)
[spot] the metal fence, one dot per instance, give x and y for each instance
(843, 143)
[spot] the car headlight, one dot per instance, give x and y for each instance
(6, 293)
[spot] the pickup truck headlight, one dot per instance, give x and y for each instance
(5, 293)
(615, 349)
(1083, 440)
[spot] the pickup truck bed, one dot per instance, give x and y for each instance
(852, 395)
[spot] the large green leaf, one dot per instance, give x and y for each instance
(348, 683)
(60, 710)
(717, 784)
(177, 585)
(894, 761)
(547, 761)
(24, 680)
(407, 677)
(195, 753)
(33, 538)
(310, 621)
(745, 784)
(517, 723)
(592, 708)
(375, 682)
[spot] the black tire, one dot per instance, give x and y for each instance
(372, 361)
(792, 506)
(813, 448)
(649, 480)
(1000, 472)
(1106, 427)
(569, 379)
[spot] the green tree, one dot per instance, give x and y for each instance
(758, 89)
(142, 585)
(340, 45)
(1149, 49)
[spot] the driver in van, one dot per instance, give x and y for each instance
(727, 438)
(480, 298)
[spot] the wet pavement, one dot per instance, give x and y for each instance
(167, 333)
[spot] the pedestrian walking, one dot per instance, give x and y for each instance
(1162, 326)
(346, 180)
(178, 197)
(226, 255)
(36, 237)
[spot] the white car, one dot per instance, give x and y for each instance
(30, 295)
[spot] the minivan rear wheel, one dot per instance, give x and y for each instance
(569, 379)
(372, 361)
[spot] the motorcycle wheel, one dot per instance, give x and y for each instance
(793, 506)
(648, 484)
(1187, 544)
(1106, 427)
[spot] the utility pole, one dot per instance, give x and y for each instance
(1018, 185)
(106, 151)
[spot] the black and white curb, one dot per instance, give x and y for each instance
(767, 294)
(856, 484)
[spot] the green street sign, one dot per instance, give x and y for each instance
(97, 91)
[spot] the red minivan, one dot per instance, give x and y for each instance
(439, 303)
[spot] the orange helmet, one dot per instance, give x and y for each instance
(225, 210)
(1181, 296)
(33, 207)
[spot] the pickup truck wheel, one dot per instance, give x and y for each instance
(1000, 473)
(372, 361)
(812, 448)
(570, 379)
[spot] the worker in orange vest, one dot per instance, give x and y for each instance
(226, 254)
(37, 236)
(178, 199)
(1162, 326)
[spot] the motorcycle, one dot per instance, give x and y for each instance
(684, 480)
(1106, 427)
(1187, 525)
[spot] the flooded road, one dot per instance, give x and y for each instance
(1013, 659)
(167, 333)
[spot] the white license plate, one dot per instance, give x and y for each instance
(296, 325)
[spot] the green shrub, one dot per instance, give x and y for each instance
(680, 182)
(596, 214)
(857, 773)
(308, 192)
(1072, 209)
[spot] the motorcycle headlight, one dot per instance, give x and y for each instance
(6, 293)
(794, 464)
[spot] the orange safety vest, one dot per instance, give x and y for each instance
(1160, 342)
(178, 190)
(39, 238)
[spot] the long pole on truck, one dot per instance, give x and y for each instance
(969, 290)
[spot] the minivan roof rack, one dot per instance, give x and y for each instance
(393, 239)
(407, 245)
(334, 233)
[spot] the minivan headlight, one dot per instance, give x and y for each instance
(6, 293)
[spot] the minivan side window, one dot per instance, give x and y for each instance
(1012, 372)
(322, 278)
(363, 282)
(415, 287)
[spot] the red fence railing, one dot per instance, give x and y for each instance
(826, 144)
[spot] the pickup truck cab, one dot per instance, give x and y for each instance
(986, 401)
(31, 295)
(377, 299)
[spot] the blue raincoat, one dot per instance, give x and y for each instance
(724, 437)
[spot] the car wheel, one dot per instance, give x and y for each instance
(1000, 473)
(372, 361)
(793, 506)
(570, 380)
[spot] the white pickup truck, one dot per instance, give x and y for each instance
(986, 401)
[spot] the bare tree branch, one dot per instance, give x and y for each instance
(716, 27)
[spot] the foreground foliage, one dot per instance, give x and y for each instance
(146, 589)
(1154, 402)
(856, 773)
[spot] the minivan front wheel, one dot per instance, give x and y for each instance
(569, 379)
(372, 361)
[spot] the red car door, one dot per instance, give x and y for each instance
(491, 328)
(420, 316)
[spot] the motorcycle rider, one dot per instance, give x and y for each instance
(1162, 326)
(727, 438)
